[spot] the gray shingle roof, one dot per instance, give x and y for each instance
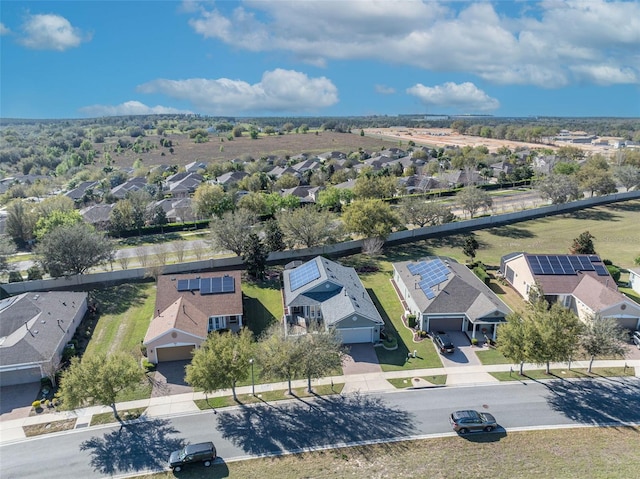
(41, 312)
(338, 290)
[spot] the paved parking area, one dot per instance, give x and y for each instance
(168, 379)
(361, 359)
(15, 401)
(464, 354)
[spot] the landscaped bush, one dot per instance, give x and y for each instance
(614, 271)
(36, 404)
(411, 320)
(390, 341)
(15, 277)
(481, 273)
(147, 365)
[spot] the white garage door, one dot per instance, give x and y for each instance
(356, 335)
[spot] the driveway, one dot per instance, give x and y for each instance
(464, 354)
(168, 379)
(15, 401)
(361, 359)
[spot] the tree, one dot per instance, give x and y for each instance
(221, 361)
(254, 256)
(209, 200)
(159, 216)
(273, 236)
(583, 244)
(369, 186)
(470, 246)
(512, 339)
(559, 188)
(306, 227)
(280, 357)
(322, 353)
(74, 249)
(121, 217)
(472, 199)
(56, 218)
(229, 231)
(555, 336)
(420, 212)
(334, 198)
(7, 248)
(97, 379)
(139, 200)
(370, 218)
(602, 337)
(20, 222)
(627, 175)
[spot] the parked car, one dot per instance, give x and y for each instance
(443, 342)
(635, 338)
(470, 420)
(204, 452)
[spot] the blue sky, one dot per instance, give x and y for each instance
(77, 59)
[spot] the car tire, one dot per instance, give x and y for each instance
(488, 429)
(207, 463)
(177, 469)
(464, 430)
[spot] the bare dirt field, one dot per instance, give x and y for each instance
(440, 137)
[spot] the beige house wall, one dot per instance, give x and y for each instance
(522, 279)
(174, 337)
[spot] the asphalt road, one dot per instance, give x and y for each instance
(290, 426)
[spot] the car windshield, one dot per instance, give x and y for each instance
(183, 453)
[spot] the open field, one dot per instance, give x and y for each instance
(219, 149)
(441, 137)
(596, 453)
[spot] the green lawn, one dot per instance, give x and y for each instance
(402, 383)
(262, 304)
(491, 356)
(125, 312)
(386, 300)
(576, 373)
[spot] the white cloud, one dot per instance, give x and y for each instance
(50, 32)
(464, 97)
(279, 90)
(547, 44)
(385, 90)
(4, 30)
(129, 108)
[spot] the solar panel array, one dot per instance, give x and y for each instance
(565, 264)
(303, 275)
(431, 273)
(219, 285)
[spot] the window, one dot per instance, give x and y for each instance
(217, 322)
(233, 320)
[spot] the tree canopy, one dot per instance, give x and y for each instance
(229, 231)
(307, 228)
(73, 249)
(472, 199)
(602, 337)
(221, 361)
(370, 218)
(98, 379)
(583, 244)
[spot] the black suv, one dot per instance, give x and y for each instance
(204, 452)
(443, 342)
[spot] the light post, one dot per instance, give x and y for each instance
(253, 384)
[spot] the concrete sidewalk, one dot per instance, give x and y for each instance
(168, 406)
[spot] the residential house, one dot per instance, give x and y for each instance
(230, 178)
(634, 279)
(183, 185)
(307, 194)
(178, 210)
(188, 308)
(34, 330)
(324, 293)
(134, 184)
(581, 283)
(98, 216)
(445, 295)
(462, 177)
(79, 192)
(195, 166)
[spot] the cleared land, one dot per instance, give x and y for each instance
(567, 453)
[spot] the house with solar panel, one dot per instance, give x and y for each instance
(323, 293)
(445, 295)
(188, 308)
(580, 282)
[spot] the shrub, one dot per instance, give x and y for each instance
(147, 365)
(15, 277)
(481, 273)
(614, 271)
(34, 273)
(411, 320)
(36, 404)
(474, 341)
